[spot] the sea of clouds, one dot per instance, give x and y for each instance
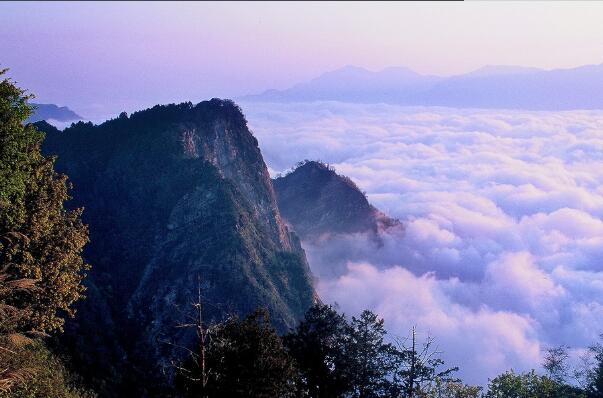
(501, 253)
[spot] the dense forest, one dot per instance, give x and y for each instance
(43, 274)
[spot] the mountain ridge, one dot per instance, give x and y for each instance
(186, 185)
(52, 112)
(489, 87)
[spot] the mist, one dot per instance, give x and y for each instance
(499, 255)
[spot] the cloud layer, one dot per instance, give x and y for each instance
(502, 250)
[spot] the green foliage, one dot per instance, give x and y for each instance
(162, 208)
(529, 385)
(17, 145)
(417, 367)
(449, 389)
(37, 372)
(316, 200)
(369, 356)
(525, 385)
(594, 375)
(245, 358)
(337, 358)
(319, 348)
(39, 239)
(555, 363)
(40, 245)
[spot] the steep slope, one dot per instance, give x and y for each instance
(316, 201)
(178, 196)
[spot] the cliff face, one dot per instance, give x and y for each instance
(317, 201)
(177, 197)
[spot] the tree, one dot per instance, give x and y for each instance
(195, 372)
(39, 238)
(319, 347)
(12, 371)
(41, 267)
(36, 373)
(530, 385)
(450, 389)
(417, 368)
(555, 363)
(245, 358)
(370, 356)
(595, 374)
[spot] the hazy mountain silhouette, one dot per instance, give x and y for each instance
(511, 87)
(52, 112)
(354, 84)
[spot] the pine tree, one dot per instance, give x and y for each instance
(245, 358)
(370, 356)
(319, 347)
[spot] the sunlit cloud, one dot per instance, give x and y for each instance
(500, 253)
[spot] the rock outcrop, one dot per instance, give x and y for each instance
(176, 197)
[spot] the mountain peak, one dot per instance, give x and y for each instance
(315, 201)
(52, 112)
(174, 193)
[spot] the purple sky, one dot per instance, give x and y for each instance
(105, 57)
(509, 202)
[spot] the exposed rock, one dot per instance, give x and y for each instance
(175, 196)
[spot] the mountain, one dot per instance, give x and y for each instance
(177, 198)
(316, 201)
(493, 70)
(52, 112)
(554, 90)
(494, 86)
(354, 84)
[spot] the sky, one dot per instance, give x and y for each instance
(502, 211)
(101, 58)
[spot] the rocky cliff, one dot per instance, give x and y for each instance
(176, 197)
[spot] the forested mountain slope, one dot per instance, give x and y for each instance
(176, 197)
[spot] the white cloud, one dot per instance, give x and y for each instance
(479, 339)
(502, 250)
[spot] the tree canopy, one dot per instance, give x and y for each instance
(41, 268)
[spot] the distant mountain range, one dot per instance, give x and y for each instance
(52, 112)
(506, 87)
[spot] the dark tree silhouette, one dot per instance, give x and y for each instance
(369, 355)
(595, 375)
(244, 358)
(319, 347)
(555, 363)
(417, 366)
